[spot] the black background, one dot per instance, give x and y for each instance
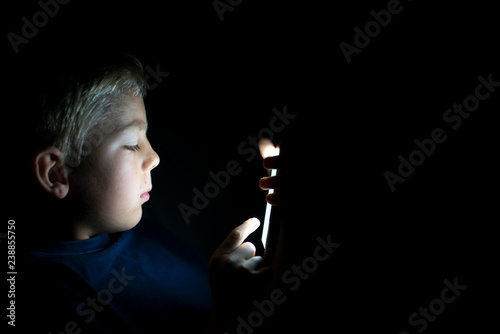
(353, 121)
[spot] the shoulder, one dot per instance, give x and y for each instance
(51, 297)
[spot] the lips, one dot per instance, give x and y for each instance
(145, 195)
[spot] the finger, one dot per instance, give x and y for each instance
(272, 162)
(275, 199)
(242, 253)
(253, 265)
(267, 148)
(273, 182)
(237, 236)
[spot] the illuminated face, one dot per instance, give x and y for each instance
(117, 181)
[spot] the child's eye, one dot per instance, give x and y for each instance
(133, 147)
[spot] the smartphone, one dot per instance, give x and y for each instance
(266, 231)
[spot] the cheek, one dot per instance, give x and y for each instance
(121, 185)
(118, 195)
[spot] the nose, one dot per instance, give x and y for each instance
(155, 160)
(152, 159)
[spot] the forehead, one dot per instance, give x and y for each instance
(132, 115)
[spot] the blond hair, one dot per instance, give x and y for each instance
(76, 107)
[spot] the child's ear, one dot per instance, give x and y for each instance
(50, 171)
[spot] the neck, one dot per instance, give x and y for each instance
(57, 223)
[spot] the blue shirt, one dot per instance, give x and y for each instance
(133, 281)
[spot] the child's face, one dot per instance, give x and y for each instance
(116, 183)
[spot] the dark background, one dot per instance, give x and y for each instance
(354, 120)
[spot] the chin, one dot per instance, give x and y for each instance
(134, 220)
(128, 222)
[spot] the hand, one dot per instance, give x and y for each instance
(235, 275)
(272, 160)
(275, 255)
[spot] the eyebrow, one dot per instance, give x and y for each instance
(135, 124)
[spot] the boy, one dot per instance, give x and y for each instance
(88, 268)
